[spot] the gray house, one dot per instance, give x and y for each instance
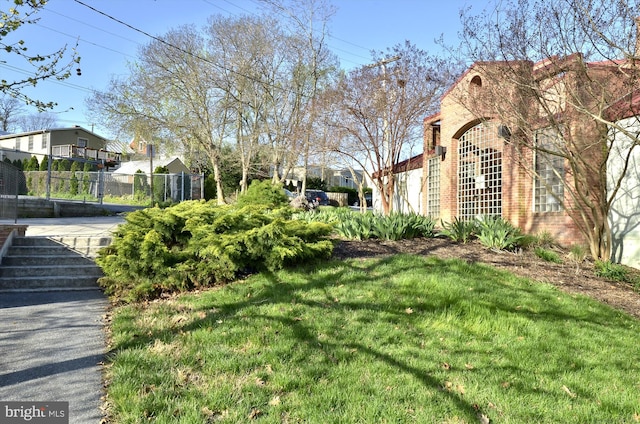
(73, 143)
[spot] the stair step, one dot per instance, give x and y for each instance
(52, 263)
(42, 260)
(19, 271)
(49, 251)
(48, 283)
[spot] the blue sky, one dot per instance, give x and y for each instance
(105, 46)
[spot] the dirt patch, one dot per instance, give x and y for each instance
(567, 276)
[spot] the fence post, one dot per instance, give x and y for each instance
(182, 188)
(17, 185)
(100, 185)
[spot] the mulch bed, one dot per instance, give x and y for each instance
(566, 276)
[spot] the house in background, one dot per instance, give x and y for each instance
(173, 164)
(623, 164)
(332, 177)
(408, 191)
(75, 143)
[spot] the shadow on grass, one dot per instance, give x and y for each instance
(490, 290)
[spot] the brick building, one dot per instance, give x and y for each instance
(479, 158)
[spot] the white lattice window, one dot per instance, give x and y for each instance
(549, 174)
(433, 187)
(480, 173)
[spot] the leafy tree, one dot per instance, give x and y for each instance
(73, 180)
(56, 66)
(316, 183)
(32, 164)
(45, 163)
(86, 184)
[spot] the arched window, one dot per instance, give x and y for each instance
(476, 82)
(480, 172)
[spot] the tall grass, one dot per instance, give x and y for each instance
(405, 339)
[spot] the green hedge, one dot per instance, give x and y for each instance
(199, 244)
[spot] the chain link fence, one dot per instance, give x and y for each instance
(12, 184)
(109, 186)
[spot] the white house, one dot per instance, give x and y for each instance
(407, 196)
(333, 177)
(624, 217)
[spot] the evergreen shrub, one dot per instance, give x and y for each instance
(263, 193)
(199, 244)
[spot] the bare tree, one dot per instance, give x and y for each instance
(56, 65)
(312, 68)
(10, 110)
(381, 109)
(37, 121)
(551, 72)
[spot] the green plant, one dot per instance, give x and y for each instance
(545, 239)
(547, 255)
(494, 232)
(611, 271)
(458, 230)
(263, 193)
(198, 244)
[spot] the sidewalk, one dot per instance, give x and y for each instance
(52, 344)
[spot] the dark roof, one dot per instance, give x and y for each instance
(406, 165)
(77, 127)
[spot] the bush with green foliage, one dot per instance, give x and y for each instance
(547, 255)
(44, 164)
(140, 185)
(316, 183)
(198, 244)
(611, 271)
(86, 183)
(263, 193)
(458, 230)
(495, 232)
(32, 164)
(355, 225)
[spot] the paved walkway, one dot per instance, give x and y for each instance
(52, 344)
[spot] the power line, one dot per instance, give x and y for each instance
(84, 40)
(180, 49)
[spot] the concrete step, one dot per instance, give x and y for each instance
(19, 271)
(34, 260)
(48, 283)
(85, 245)
(51, 263)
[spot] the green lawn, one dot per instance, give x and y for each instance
(400, 340)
